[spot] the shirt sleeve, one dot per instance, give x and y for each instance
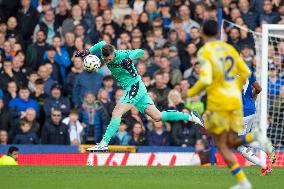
(97, 46)
(136, 54)
(205, 77)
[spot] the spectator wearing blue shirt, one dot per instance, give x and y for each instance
(274, 82)
(86, 82)
(23, 102)
(250, 17)
(91, 116)
(61, 57)
(158, 136)
(56, 101)
(26, 135)
(45, 75)
(122, 137)
(268, 15)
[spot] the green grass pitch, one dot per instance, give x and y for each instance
(75, 177)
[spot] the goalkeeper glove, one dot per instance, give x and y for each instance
(82, 53)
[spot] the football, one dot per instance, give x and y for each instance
(92, 63)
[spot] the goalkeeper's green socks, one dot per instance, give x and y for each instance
(111, 129)
(173, 115)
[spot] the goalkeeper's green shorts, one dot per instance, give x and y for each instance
(137, 95)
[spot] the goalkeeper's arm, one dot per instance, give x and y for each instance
(93, 49)
(136, 54)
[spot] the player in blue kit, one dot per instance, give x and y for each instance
(250, 91)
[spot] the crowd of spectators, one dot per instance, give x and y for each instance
(46, 97)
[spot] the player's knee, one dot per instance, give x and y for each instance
(116, 114)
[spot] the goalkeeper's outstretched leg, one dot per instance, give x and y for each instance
(146, 106)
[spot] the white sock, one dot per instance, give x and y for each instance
(249, 155)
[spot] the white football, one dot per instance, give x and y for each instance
(92, 63)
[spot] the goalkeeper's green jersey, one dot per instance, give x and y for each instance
(125, 73)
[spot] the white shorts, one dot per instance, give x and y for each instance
(248, 124)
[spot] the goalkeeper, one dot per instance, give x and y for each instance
(135, 93)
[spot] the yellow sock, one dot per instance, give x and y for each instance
(248, 138)
(238, 172)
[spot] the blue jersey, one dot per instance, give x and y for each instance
(248, 101)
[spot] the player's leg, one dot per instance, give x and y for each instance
(232, 163)
(247, 151)
(119, 110)
(172, 115)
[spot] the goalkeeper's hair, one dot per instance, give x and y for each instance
(107, 50)
(210, 28)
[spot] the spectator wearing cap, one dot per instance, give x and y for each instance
(50, 58)
(274, 81)
(174, 58)
(28, 19)
(56, 101)
(250, 17)
(69, 24)
(165, 13)
(35, 51)
(48, 26)
(85, 82)
(54, 131)
(120, 10)
(268, 15)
